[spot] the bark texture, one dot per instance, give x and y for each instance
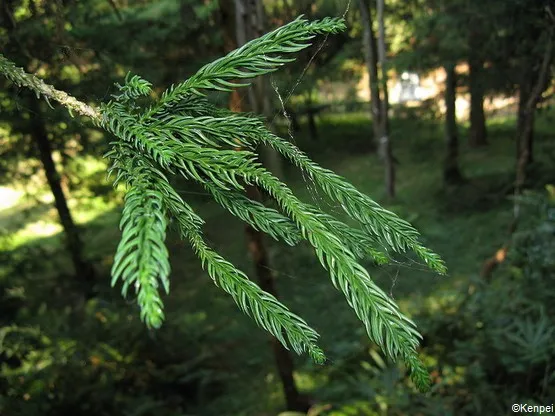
(385, 141)
(371, 59)
(478, 131)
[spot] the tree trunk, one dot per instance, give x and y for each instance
(249, 20)
(385, 141)
(531, 87)
(83, 269)
(525, 123)
(284, 362)
(478, 132)
(528, 101)
(451, 172)
(370, 54)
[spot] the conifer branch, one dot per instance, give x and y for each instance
(258, 57)
(263, 307)
(142, 258)
(182, 133)
(22, 79)
(267, 311)
(258, 216)
(391, 230)
(385, 325)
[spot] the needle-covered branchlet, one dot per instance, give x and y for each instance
(181, 133)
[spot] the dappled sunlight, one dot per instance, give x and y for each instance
(46, 223)
(9, 197)
(93, 209)
(31, 217)
(38, 229)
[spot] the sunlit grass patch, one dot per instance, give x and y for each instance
(29, 217)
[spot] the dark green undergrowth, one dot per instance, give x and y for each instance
(486, 344)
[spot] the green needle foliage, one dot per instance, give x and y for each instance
(182, 133)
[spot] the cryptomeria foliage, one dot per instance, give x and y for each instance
(181, 133)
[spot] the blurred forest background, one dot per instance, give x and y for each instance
(439, 109)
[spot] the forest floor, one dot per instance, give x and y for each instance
(464, 225)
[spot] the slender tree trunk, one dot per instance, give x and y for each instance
(451, 172)
(478, 131)
(284, 361)
(255, 241)
(525, 123)
(249, 20)
(84, 270)
(531, 87)
(385, 141)
(527, 108)
(74, 244)
(370, 54)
